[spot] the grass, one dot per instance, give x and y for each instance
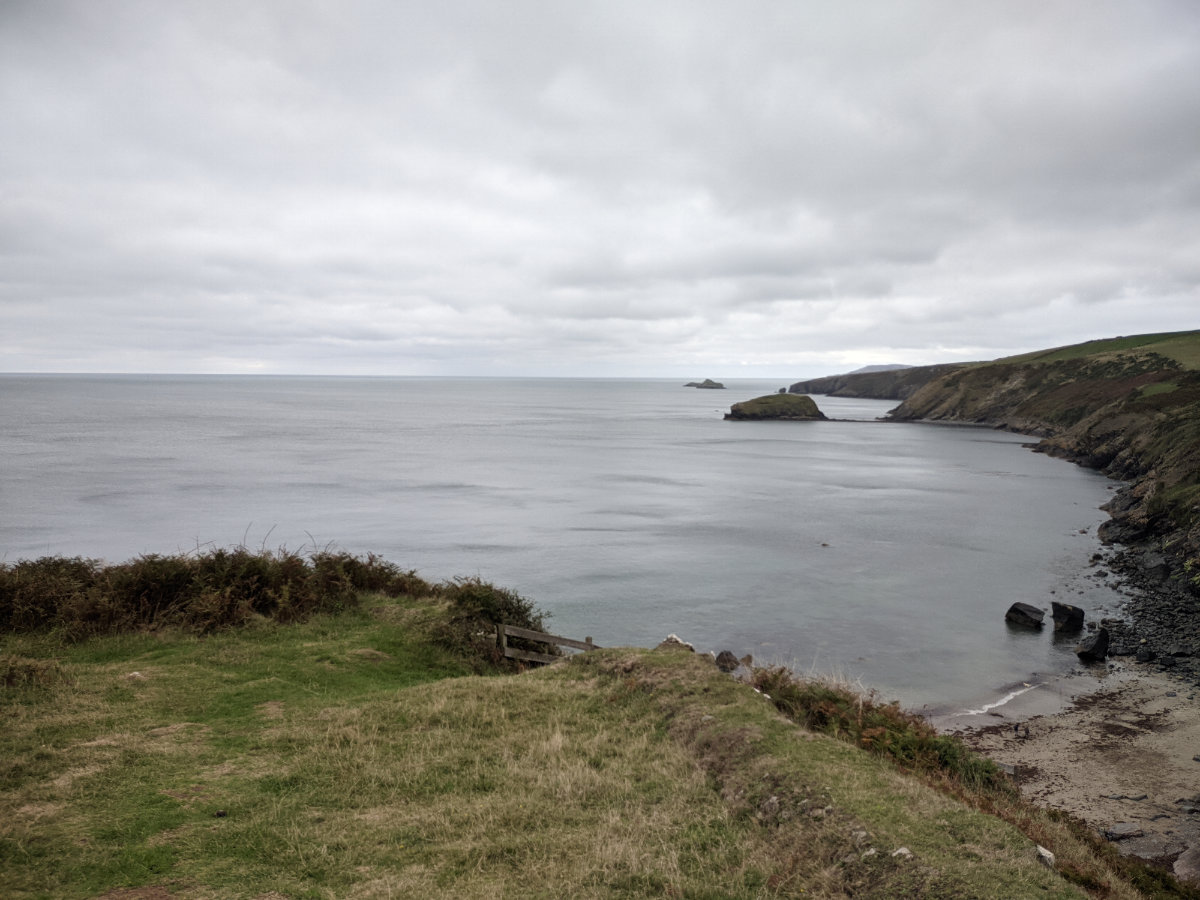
(356, 754)
(1181, 347)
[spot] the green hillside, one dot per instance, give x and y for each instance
(374, 747)
(1129, 406)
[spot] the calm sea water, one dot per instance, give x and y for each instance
(628, 509)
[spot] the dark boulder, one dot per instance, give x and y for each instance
(789, 407)
(726, 661)
(1025, 615)
(1066, 617)
(1094, 647)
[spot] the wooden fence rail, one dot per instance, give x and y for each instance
(504, 632)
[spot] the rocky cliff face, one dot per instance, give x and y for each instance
(1133, 414)
(895, 384)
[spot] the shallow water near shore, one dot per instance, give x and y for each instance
(883, 552)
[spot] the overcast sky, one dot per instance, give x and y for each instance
(699, 188)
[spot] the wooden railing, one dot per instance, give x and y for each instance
(504, 632)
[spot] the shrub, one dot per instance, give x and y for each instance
(476, 607)
(203, 592)
(32, 591)
(882, 728)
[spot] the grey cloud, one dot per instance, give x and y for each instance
(599, 187)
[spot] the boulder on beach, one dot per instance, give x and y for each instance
(1094, 647)
(1025, 615)
(1187, 866)
(1066, 617)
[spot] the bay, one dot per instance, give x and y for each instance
(882, 552)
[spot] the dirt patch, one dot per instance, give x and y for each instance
(272, 709)
(188, 795)
(168, 730)
(69, 777)
(368, 653)
(40, 810)
(149, 892)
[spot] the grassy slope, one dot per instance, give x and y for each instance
(1129, 406)
(336, 758)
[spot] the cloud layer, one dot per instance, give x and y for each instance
(591, 188)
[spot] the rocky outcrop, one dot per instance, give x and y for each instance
(707, 384)
(726, 661)
(1187, 866)
(675, 642)
(787, 407)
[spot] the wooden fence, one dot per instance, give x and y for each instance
(504, 632)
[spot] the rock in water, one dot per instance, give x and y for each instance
(1094, 647)
(1025, 615)
(789, 407)
(1066, 617)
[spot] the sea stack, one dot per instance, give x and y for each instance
(787, 407)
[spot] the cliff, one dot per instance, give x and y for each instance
(1128, 406)
(891, 384)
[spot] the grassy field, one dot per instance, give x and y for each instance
(1183, 347)
(355, 755)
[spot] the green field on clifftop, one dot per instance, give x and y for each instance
(1183, 347)
(354, 754)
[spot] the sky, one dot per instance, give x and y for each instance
(618, 188)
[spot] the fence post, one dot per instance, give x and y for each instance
(501, 639)
(588, 640)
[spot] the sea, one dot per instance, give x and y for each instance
(881, 553)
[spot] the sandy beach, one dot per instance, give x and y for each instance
(1119, 748)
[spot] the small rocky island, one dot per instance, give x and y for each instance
(789, 407)
(706, 383)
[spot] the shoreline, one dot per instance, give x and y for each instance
(1115, 744)
(1118, 748)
